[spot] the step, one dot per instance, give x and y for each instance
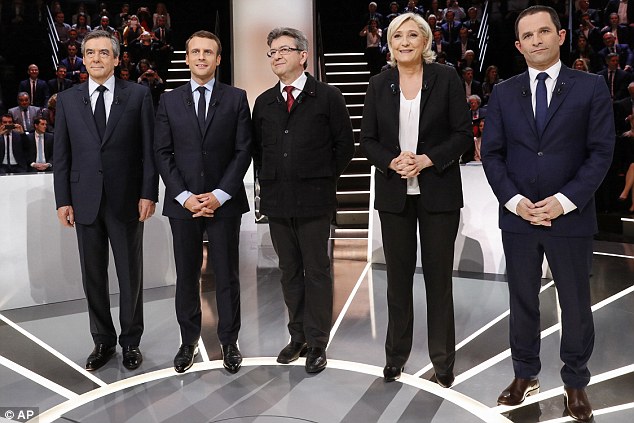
(356, 199)
(353, 216)
(358, 165)
(354, 182)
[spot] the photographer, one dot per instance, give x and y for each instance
(11, 148)
(151, 79)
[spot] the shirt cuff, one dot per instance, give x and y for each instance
(565, 203)
(182, 197)
(221, 196)
(512, 203)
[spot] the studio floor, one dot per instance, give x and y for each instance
(43, 350)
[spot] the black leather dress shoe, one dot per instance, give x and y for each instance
(185, 357)
(231, 358)
(292, 352)
(577, 404)
(315, 359)
(99, 356)
(132, 357)
(443, 380)
(391, 373)
(518, 390)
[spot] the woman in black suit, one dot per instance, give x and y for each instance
(416, 124)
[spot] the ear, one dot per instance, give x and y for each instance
(218, 60)
(518, 46)
(304, 57)
(562, 36)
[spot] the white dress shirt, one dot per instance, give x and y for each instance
(408, 123)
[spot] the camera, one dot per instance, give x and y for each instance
(9, 126)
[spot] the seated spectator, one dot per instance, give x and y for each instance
(143, 66)
(104, 25)
(23, 114)
(49, 113)
(473, 153)
(451, 27)
(74, 64)
(119, 21)
(101, 10)
(37, 88)
(132, 30)
(471, 86)
(387, 65)
(616, 79)
(435, 10)
(39, 147)
(581, 64)
(453, 6)
(591, 32)
(477, 112)
(61, 27)
(433, 23)
(127, 63)
(60, 82)
(372, 34)
(464, 43)
(146, 47)
(626, 14)
(622, 33)
(626, 58)
(373, 14)
(472, 23)
(12, 151)
(623, 108)
(83, 77)
(81, 26)
(470, 61)
(72, 40)
(491, 78)
(152, 80)
(586, 52)
(161, 10)
(442, 59)
(81, 9)
(584, 8)
(393, 13)
(163, 36)
(412, 7)
(438, 44)
(124, 74)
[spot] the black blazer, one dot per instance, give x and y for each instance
(444, 133)
(216, 159)
(19, 149)
(300, 155)
(52, 85)
(121, 166)
(31, 149)
(41, 91)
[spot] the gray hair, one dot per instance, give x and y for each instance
(300, 39)
(100, 33)
(428, 54)
(476, 98)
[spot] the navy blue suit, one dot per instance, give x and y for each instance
(200, 162)
(570, 157)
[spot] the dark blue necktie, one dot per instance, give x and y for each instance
(541, 102)
(100, 112)
(202, 107)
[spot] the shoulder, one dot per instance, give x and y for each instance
(230, 90)
(268, 95)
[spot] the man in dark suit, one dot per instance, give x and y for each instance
(471, 86)
(438, 44)
(622, 109)
(60, 82)
(451, 27)
(303, 142)
(74, 64)
(39, 147)
(106, 186)
(24, 113)
(626, 57)
(203, 150)
(37, 88)
(544, 172)
(463, 44)
(163, 36)
(12, 151)
(616, 79)
(613, 6)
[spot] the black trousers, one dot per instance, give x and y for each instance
(126, 240)
(437, 233)
(301, 243)
(223, 234)
(570, 260)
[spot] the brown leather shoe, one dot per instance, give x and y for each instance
(577, 404)
(518, 390)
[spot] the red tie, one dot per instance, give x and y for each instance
(289, 97)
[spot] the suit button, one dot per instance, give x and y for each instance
(285, 154)
(540, 154)
(286, 131)
(100, 172)
(202, 174)
(204, 152)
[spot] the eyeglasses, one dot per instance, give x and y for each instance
(284, 51)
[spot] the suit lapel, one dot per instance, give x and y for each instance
(119, 102)
(86, 110)
(188, 104)
(564, 85)
(214, 101)
(526, 100)
(393, 95)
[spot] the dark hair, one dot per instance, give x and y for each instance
(8, 115)
(554, 17)
(37, 120)
(204, 34)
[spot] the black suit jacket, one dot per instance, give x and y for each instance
(626, 58)
(621, 80)
(41, 91)
(53, 85)
(121, 166)
(19, 150)
(31, 149)
(444, 133)
(300, 155)
(189, 160)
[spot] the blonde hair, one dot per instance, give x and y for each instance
(428, 54)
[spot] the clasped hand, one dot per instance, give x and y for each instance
(202, 205)
(409, 165)
(540, 213)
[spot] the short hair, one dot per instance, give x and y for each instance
(537, 9)
(300, 39)
(476, 98)
(37, 120)
(467, 69)
(60, 66)
(100, 33)
(8, 116)
(22, 94)
(609, 56)
(428, 54)
(204, 34)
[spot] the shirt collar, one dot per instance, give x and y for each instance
(553, 71)
(109, 84)
(298, 84)
(209, 85)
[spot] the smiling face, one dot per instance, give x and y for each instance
(407, 44)
(202, 58)
(539, 40)
(287, 67)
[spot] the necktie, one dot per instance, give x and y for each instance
(32, 91)
(7, 148)
(25, 119)
(100, 112)
(541, 102)
(162, 34)
(40, 148)
(72, 63)
(611, 80)
(289, 97)
(202, 107)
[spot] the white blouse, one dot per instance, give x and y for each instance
(408, 121)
